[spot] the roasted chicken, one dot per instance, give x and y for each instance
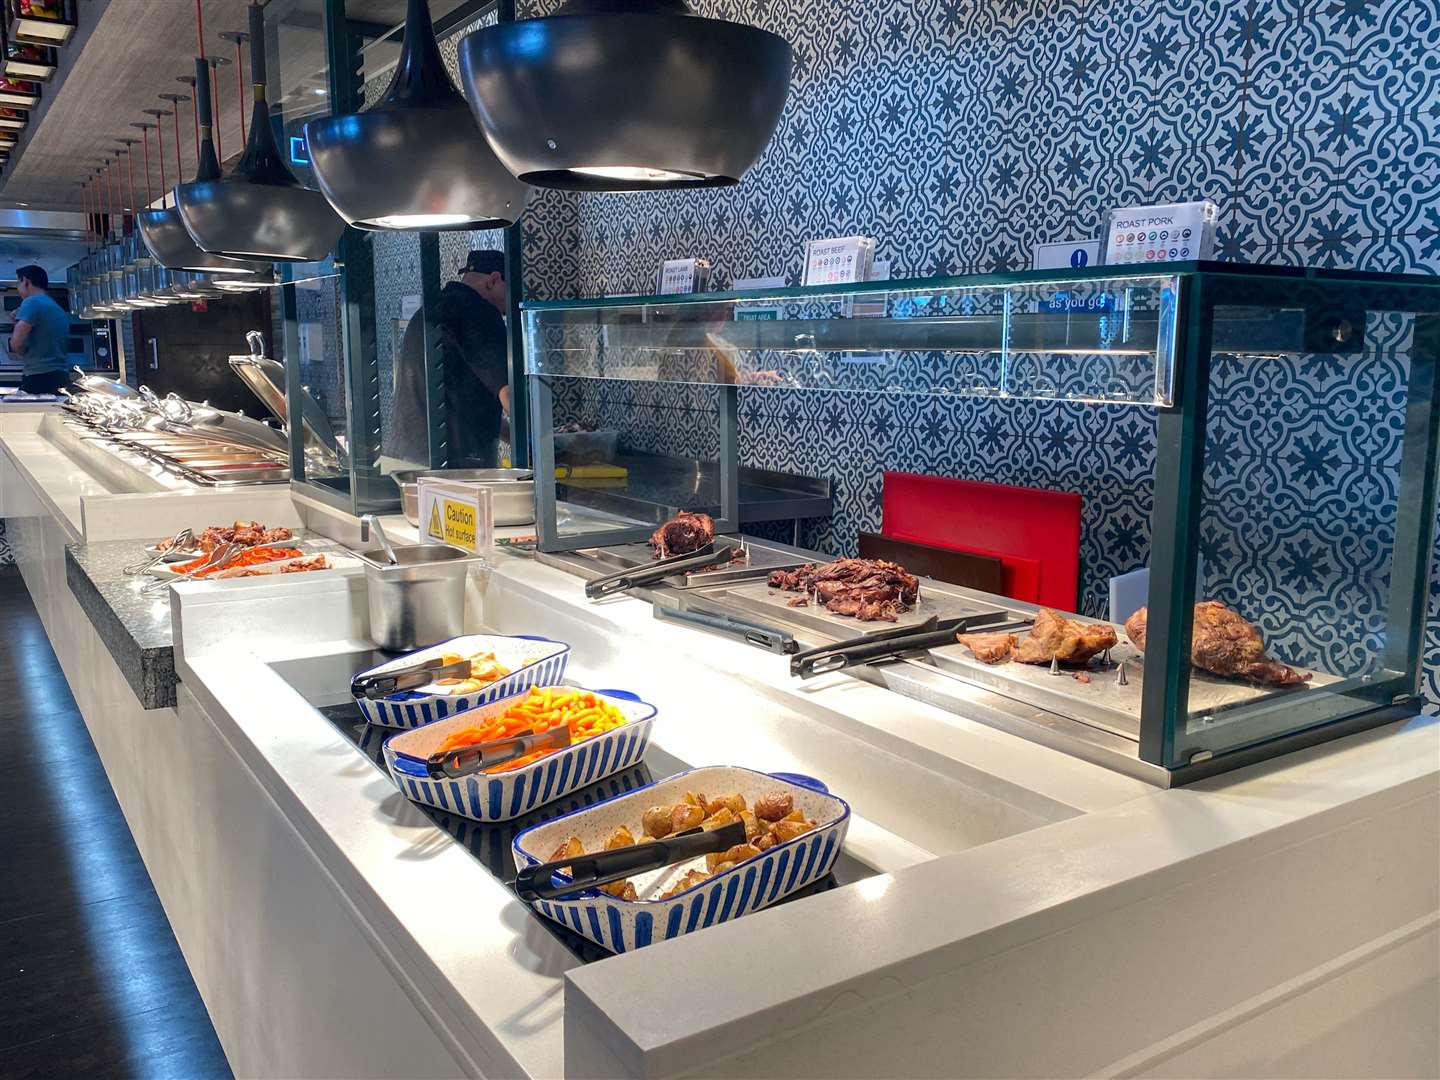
(1224, 643)
(682, 534)
(1054, 637)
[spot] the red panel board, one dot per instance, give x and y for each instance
(1036, 534)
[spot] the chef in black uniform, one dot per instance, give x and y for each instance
(474, 356)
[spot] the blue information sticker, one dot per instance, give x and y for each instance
(1064, 302)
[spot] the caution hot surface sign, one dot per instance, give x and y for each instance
(455, 514)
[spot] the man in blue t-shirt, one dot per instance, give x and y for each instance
(42, 334)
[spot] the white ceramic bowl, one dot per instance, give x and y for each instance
(621, 925)
(532, 661)
(507, 795)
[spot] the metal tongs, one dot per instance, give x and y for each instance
(591, 871)
(464, 761)
(220, 557)
(720, 549)
(888, 644)
(381, 684)
(178, 541)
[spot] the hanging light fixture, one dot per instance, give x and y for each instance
(626, 95)
(415, 159)
(163, 231)
(259, 210)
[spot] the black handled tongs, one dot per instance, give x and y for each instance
(466, 760)
(591, 871)
(384, 683)
(719, 550)
(888, 644)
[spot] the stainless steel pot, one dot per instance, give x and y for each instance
(512, 492)
(420, 600)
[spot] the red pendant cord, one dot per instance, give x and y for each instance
(178, 168)
(160, 135)
(215, 97)
(130, 172)
(148, 197)
(240, 85)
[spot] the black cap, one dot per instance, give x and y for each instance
(484, 261)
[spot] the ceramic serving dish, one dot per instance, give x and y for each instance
(506, 795)
(621, 925)
(533, 661)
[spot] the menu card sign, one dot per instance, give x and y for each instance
(838, 261)
(760, 311)
(680, 276)
(1173, 232)
(1065, 254)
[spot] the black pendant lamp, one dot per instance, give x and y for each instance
(626, 95)
(415, 160)
(259, 210)
(163, 231)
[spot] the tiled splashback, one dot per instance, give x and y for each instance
(960, 133)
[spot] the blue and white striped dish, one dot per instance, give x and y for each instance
(503, 796)
(621, 925)
(532, 661)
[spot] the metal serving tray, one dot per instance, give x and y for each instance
(762, 560)
(1103, 702)
(936, 599)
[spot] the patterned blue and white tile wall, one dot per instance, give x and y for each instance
(961, 132)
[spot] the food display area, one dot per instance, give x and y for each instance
(669, 798)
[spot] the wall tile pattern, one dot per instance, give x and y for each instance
(960, 133)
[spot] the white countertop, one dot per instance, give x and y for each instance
(946, 808)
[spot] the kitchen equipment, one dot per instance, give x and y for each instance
(762, 637)
(936, 599)
(720, 550)
(580, 872)
(466, 761)
(506, 795)
(179, 542)
(221, 556)
(371, 687)
(266, 379)
(933, 633)
(420, 598)
(370, 523)
(87, 382)
(760, 560)
(621, 925)
(512, 492)
(533, 661)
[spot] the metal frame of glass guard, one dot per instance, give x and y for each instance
(1334, 306)
(368, 491)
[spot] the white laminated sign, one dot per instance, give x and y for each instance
(838, 261)
(456, 513)
(680, 276)
(1173, 232)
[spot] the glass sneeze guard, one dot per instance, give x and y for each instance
(1294, 460)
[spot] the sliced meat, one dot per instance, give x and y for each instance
(1054, 637)
(990, 648)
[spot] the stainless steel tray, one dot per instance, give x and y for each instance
(936, 598)
(1103, 702)
(761, 561)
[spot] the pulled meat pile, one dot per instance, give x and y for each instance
(252, 534)
(682, 534)
(1224, 643)
(871, 590)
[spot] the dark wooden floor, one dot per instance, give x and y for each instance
(92, 982)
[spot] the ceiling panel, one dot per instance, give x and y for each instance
(133, 50)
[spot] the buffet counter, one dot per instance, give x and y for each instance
(1007, 909)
